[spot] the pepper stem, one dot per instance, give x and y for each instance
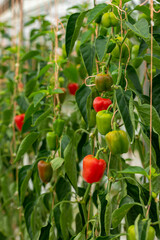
(100, 150)
(103, 69)
(114, 126)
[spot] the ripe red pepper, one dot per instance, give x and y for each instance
(72, 87)
(100, 104)
(45, 171)
(93, 169)
(19, 120)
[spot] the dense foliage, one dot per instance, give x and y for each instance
(83, 97)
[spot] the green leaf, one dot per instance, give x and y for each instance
(31, 109)
(36, 216)
(123, 98)
(44, 70)
(70, 156)
(108, 215)
(30, 55)
(141, 228)
(144, 113)
(103, 44)
(135, 170)
(31, 84)
(24, 175)
(73, 27)
(45, 232)
(38, 97)
(81, 98)
(96, 11)
(57, 163)
(156, 61)
(40, 116)
(156, 93)
(23, 103)
(88, 54)
(126, 204)
(132, 75)
(140, 28)
(26, 144)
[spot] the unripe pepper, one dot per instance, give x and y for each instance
(109, 20)
(117, 141)
(19, 120)
(58, 126)
(45, 171)
(103, 82)
(52, 141)
(100, 104)
(93, 169)
(103, 121)
(132, 235)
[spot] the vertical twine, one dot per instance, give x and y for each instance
(150, 159)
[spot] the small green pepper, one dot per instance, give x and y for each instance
(52, 141)
(132, 235)
(58, 126)
(103, 121)
(117, 141)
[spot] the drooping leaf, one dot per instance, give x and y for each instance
(120, 213)
(123, 98)
(38, 97)
(96, 11)
(26, 144)
(156, 93)
(36, 216)
(140, 28)
(70, 156)
(135, 170)
(155, 60)
(88, 54)
(103, 44)
(38, 118)
(144, 113)
(132, 75)
(81, 98)
(57, 163)
(24, 176)
(30, 55)
(73, 27)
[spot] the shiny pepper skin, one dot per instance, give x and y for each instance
(103, 82)
(58, 126)
(45, 171)
(19, 120)
(103, 121)
(100, 104)
(117, 141)
(52, 141)
(93, 169)
(132, 235)
(73, 87)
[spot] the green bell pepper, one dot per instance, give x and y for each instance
(58, 126)
(103, 121)
(132, 235)
(52, 141)
(117, 141)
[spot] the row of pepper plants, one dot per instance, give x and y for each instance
(75, 131)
